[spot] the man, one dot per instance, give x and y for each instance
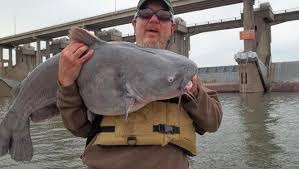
(158, 136)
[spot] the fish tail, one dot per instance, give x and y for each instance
(21, 148)
(5, 136)
(15, 138)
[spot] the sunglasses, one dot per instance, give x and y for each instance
(162, 15)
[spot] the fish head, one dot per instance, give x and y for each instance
(166, 76)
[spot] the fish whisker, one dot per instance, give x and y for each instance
(180, 101)
(191, 97)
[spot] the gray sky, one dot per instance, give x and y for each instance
(207, 49)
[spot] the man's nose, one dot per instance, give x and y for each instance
(154, 19)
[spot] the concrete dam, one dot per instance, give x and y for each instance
(284, 77)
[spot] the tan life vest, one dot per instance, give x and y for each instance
(158, 123)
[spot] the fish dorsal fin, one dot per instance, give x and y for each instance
(83, 36)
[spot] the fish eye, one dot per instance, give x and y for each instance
(170, 79)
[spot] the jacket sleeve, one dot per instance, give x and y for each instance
(73, 110)
(205, 110)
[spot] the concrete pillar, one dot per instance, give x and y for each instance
(248, 22)
(47, 49)
(249, 70)
(263, 18)
(38, 53)
(109, 35)
(58, 45)
(10, 58)
(1, 62)
(181, 40)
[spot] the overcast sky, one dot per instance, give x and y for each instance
(207, 49)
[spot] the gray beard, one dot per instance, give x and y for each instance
(157, 45)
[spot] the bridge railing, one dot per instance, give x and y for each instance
(214, 21)
(286, 10)
(128, 35)
(238, 18)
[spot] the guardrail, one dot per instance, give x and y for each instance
(238, 18)
(215, 21)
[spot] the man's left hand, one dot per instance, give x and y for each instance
(195, 80)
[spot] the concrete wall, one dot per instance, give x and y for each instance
(221, 74)
(285, 72)
(221, 79)
(285, 77)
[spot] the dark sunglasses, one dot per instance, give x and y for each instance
(162, 15)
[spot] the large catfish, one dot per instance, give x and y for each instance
(120, 78)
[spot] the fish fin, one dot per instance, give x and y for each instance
(129, 102)
(83, 36)
(15, 139)
(21, 148)
(5, 136)
(44, 113)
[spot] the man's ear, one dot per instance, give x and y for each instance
(173, 27)
(134, 23)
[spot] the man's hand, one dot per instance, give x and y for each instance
(195, 81)
(70, 62)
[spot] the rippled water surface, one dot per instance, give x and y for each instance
(257, 131)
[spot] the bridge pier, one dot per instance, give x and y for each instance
(109, 35)
(10, 58)
(58, 45)
(25, 62)
(181, 39)
(248, 23)
(255, 61)
(48, 51)
(263, 19)
(249, 72)
(1, 62)
(38, 53)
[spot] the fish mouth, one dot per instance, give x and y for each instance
(186, 84)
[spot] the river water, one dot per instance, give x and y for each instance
(257, 131)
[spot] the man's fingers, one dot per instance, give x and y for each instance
(79, 52)
(195, 78)
(85, 57)
(74, 46)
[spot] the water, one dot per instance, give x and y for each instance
(257, 131)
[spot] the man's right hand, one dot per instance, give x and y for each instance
(70, 62)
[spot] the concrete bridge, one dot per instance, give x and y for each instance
(106, 20)
(254, 71)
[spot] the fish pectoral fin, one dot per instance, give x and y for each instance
(44, 113)
(129, 103)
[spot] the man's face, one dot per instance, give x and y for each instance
(152, 32)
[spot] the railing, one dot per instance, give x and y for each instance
(215, 21)
(238, 18)
(286, 10)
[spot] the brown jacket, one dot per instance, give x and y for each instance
(206, 119)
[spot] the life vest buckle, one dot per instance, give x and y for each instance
(165, 128)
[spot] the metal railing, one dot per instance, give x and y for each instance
(286, 10)
(215, 21)
(238, 18)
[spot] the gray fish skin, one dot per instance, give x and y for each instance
(120, 78)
